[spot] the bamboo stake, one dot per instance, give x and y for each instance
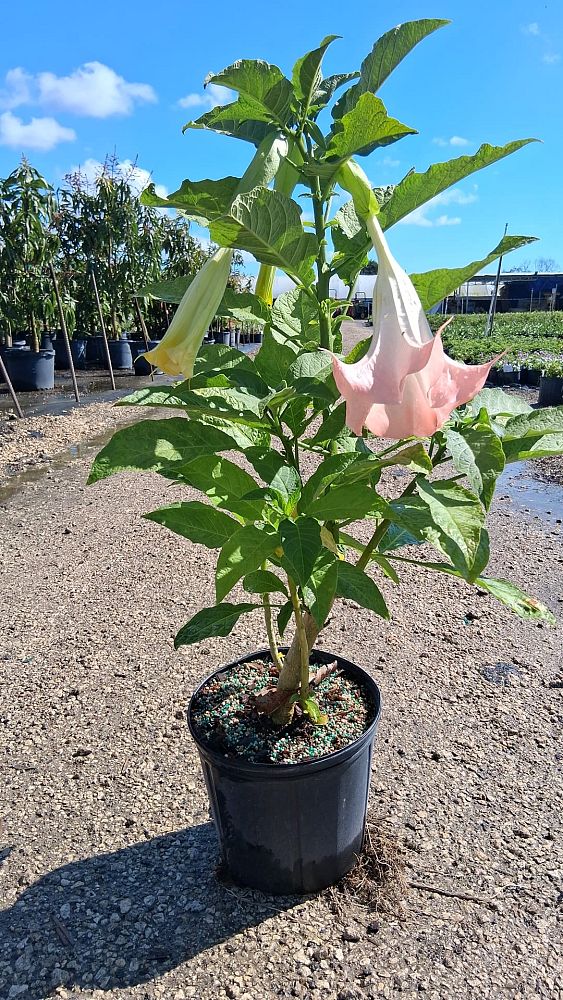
(65, 331)
(143, 326)
(11, 390)
(102, 324)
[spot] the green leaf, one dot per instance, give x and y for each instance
(326, 90)
(261, 84)
(221, 480)
(307, 76)
(417, 188)
(197, 521)
(262, 581)
(456, 520)
(477, 454)
(268, 225)
(266, 461)
(364, 128)
(320, 590)
(433, 286)
(518, 449)
(332, 426)
(342, 503)
(355, 585)
(286, 482)
(313, 364)
(217, 621)
(396, 537)
(158, 446)
(241, 119)
(245, 307)
(301, 541)
(497, 403)
(311, 708)
(296, 315)
(535, 423)
(351, 244)
(387, 53)
(226, 403)
(522, 604)
(414, 457)
(273, 359)
(244, 552)
(284, 614)
(201, 201)
(329, 470)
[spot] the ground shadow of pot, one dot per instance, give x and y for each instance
(116, 920)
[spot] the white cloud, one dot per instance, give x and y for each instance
(17, 88)
(532, 29)
(93, 90)
(137, 177)
(454, 140)
(213, 95)
(550, 58)
(455, 196)
(39, 133)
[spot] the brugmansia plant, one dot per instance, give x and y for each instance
(396, 400)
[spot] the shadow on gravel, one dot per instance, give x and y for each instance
(116, 920)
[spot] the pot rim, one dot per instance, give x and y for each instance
(295, 768)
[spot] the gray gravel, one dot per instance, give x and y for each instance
(108, 884)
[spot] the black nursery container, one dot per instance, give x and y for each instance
(120, 354)
(30, 371)
(291, 828)
(551, 391)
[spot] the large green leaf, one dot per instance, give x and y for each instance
(534, 423)
(301, 542)
(522, 604)
(386, 54)
(263, 581)
(497, 403)
(158, 446)
(295, 314)
(433, 286)
(210, 622)
(519, 449)
(351, 244)
(268, 225)
(307, 75)
(355, 585)
(365, 127)
(199, 200)
(241, 119)
(320, 590)
(477, 454)
(242, 553)
(329, 470)
(342, 503)
(216, 401)
(224, 483)
(326, 90)
(197, 521)
(273, 359)
(261, 84)
(417, 188)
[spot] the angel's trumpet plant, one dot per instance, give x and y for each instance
(178, 349)
(405, 384)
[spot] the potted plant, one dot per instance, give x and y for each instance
(287, 450)
(27, 246)
(551, 384)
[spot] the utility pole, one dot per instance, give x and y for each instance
(493, 305)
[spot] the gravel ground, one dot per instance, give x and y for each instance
(107, 855)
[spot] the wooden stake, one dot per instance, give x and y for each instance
(65, 331)
(102, 324)
(11, 390)
(143, 326)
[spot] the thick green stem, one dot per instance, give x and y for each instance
(276, 658)
(323, 269)
(302, 640)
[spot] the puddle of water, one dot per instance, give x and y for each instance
(531, 495)
(58, 462)
(500, 673)
(55, 403)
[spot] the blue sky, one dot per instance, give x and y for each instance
(78, 81)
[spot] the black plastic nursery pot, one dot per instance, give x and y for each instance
(530, 376)
(222, 337)
(140, 364)
(291, 828)
(28, 371)
(551, 391)
(120, 354)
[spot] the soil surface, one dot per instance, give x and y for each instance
(107, 856)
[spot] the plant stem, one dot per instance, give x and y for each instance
(276, 659)
(302, 637)
(323, 269)
(380, 531)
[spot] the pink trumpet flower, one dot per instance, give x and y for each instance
(405, 385)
